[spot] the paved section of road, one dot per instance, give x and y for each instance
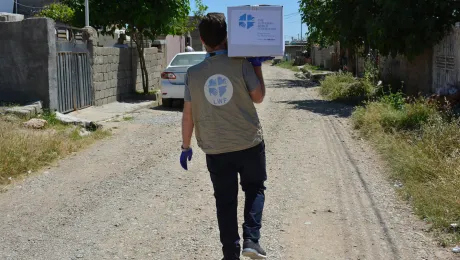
(127, 197)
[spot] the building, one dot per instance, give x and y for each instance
(294, 49)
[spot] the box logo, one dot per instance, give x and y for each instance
(218, 90)
(247, 21)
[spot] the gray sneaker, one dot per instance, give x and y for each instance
(253, 250)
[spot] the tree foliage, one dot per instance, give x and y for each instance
(141, 19)
(58, 12)
(389, 26)
(187, 24)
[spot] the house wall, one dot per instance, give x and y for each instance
(196, 40)
(291, 51)
(322, 57)
(416, 73)
(28, 69)
(174, 45)
(116, 72)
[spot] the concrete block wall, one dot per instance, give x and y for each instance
(117, 73)
(112, 76)
(28, 66)
(154, 62)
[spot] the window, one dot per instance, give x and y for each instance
(188, 59)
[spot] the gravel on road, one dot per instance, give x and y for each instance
(128, 198)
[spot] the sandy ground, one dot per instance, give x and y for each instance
(128, 198)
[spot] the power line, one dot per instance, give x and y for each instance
(291, 14)
(28, 6)
(290, 17)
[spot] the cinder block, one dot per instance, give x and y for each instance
(98, 60)
(98, 86)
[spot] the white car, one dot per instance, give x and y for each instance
(172, 79)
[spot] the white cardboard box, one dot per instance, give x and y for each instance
(255, 31)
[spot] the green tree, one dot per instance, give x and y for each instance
(409, 27)
(58, 12)
(389, 26)
(187, 24)
(142, 19)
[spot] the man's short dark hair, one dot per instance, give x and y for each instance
(213, 29)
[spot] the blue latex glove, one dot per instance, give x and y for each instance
(257, 61)
(186, 155)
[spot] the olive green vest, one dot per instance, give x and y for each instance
(224, 115)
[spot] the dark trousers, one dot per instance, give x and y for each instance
(224, 169)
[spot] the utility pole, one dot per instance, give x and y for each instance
(86, 13)
(16, 2)
(301, 31)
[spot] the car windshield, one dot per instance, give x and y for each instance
(188, 59)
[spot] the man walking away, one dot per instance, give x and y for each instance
(219, 98)
(121, 42)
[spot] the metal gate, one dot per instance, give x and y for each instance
(75, 90)
(446, 61)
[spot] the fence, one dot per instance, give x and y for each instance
(74, 76)
(446, 62)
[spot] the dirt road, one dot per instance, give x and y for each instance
(127, 197)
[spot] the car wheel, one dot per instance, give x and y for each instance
(167, 102)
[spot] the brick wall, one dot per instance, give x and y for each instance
(154, 61)
(116, 72)
(112, 76)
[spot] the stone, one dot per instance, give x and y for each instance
(35, 123)
(83, 132)
(90, 34)
(98, 60)
(21, 112)
(99, 77)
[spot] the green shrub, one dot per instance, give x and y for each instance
(396, 100)
(58, 12)
(310, 67)
(288, 65)
(343, 87)
(389, 114)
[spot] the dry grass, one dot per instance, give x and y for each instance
(312, 68)
(288, 65)
(23, 150)
(422, 147)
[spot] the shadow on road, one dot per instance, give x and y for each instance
(291, 83)
(322, 107)
(176, 107)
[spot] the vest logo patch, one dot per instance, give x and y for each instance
(218, 90)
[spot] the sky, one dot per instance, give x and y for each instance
(291, 12)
